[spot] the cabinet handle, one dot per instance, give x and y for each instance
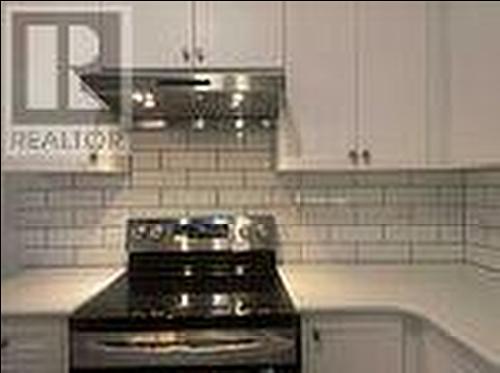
(185, 54)
(353, 156)
(199, 54)
(316, 336)
(365, 154)
(5, 343)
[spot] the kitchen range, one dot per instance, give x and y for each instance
(250, 186)
(200, 294)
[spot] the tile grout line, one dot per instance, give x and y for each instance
(464, 217)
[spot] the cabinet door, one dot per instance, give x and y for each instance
(474, 82)
(239, 33)
(440, 354)
(161, 32)
(34, 345)
(320, 66)
(355, 344)
(392, 83)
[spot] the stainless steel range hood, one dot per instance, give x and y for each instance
(157, 98)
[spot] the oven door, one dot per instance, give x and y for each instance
(242, 350)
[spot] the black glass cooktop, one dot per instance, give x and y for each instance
(184, 300)
(234, 293)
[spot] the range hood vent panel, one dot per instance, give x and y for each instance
(179, 95)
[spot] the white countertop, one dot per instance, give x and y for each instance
(53, 292)
(462, 301)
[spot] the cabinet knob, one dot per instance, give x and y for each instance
(353, 156)
(5, 343)
(366, 155)
(200, 57)
(93, 158)
(185, 54)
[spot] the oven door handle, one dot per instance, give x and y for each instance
(184, 347)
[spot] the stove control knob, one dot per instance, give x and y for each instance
(140, 232)
(156, 232)
(261, 231)
(244, 232)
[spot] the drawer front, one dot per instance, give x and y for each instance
(33, 345)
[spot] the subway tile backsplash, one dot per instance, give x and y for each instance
(383, 217)
(483, 219)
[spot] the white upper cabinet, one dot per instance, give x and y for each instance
(474, 128)
(356, 85)
(179, 34)
(402, 84)
(239, 33)
(161, 32)
(320, 65)
(392, 83)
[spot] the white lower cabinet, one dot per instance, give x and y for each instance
(353, 344)
(441, 354)
(382, 343)
(34, 345)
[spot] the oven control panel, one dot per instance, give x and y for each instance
(211, 232)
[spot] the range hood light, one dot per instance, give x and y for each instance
(199, 124)
(149, 104)
(242, 83)
(151, 124)
(137, 97)
(265, 123)
(239, 124)
(184, 301)
(149, 100)
(236, 99)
